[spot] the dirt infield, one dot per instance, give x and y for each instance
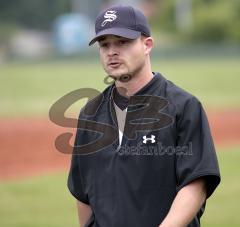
(27, 145)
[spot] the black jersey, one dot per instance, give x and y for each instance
(166, 144)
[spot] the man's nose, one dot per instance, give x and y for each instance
(112, 50)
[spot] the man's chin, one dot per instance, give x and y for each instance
(122, 78)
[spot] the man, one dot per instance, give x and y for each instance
(143, 152)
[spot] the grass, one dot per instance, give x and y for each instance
(40, 201)
(222, 209)
(45, 200)
(31, 89)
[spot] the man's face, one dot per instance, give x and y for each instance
(120, 56)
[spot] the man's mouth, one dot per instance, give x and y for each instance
(114, 64)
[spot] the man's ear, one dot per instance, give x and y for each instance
(148, 44)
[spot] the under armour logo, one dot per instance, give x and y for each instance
(152, 139)
(109, 17)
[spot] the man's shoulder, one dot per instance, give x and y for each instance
(175, 94)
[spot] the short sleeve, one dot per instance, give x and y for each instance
(200, 160)
(75, 183)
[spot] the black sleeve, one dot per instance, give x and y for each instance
(75, 182)
(200, 160)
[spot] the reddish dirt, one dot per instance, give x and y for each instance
(27, 148)
(27, 145)
(225, 127)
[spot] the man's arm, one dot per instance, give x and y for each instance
(84, 213)
(186, 204)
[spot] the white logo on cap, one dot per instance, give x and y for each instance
(110, 17)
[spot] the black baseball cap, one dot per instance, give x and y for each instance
(120, 20)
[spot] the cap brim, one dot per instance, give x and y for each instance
(123, 32)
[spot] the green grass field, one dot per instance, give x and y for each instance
(27, 89)
(45, 201)
(222, 209)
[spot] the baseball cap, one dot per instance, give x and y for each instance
(120, 20)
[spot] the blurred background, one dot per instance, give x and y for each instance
(40, 29)
(44, 55)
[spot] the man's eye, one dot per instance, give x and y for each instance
(122, 41)
(103, 44)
